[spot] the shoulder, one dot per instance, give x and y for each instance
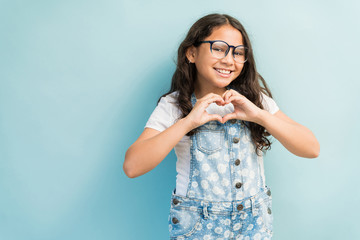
(264, 97)
(170, 98)
(169, 102)
(164, 115)
(268, 103)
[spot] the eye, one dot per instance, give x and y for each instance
(217, 49)
(239, 53)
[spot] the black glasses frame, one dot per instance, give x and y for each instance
(227, 51)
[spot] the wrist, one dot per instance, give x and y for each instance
(261, 117)
(187, 123)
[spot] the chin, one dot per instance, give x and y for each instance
(224, 83)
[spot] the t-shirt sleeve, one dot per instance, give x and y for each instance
(269, 104)
(162, 116)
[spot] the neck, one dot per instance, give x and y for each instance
(201, 91)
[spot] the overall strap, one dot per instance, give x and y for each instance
(193, 99)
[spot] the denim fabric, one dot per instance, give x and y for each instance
(225, 174)
(213, 172)
(196, 219)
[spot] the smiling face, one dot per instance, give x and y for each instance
(213, 74)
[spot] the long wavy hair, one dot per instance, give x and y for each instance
(247, 83)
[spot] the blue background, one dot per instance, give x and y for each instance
(79, 79)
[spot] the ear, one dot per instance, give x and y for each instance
(191, 54)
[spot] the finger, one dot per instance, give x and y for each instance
(214, 98)
(207, 96)
(234, 92)
(228, 117)
(220, 102)
(205, 101)
(233, 98)
(230, 93)
(226, 95)
(215, 117)
(223, 96)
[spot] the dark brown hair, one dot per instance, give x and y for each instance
(247, 83)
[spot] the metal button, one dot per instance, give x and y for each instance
(236, 139)
(240, 207)
(237, 162)
(269, 211)
(238, 185)
(233, 121)
(175, 220)
(268, 192)
(175, 201)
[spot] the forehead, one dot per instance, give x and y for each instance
(228, 34)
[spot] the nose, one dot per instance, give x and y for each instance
(229, 59)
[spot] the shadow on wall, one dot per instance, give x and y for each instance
(156, 185)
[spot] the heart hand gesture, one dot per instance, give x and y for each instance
(244, 109)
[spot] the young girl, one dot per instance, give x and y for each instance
(217, 116)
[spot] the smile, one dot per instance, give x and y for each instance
(223, 71)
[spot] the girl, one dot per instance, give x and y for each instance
(217, 116)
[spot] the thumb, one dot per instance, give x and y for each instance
(229, 116)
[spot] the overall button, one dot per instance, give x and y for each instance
(236, 139)
(269, 211)
(238, 185)
(268, 192)
(237, 162)
(175, 201)
(233, 121)
(240, 207)
(175, 220)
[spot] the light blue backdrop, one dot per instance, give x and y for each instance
(79, 79)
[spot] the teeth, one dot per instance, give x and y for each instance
(223, 71)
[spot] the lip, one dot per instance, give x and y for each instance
(224, 69)
(224, 75)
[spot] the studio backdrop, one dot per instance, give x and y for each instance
(79, 79)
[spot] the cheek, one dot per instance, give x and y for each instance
(205, 65)
(240, 69)
(238, 72)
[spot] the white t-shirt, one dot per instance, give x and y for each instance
(166, 113)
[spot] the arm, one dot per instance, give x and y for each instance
(153, 146)
(295, 137)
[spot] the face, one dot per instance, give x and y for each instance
(212, 73)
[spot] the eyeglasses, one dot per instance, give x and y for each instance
(219, 49)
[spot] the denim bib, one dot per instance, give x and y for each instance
(224, 165)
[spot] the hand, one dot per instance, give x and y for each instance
(199, 116)
(244, 109)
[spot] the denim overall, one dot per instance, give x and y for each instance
(226, 197)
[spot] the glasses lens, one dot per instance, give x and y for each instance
(219, 49)
(240, 54)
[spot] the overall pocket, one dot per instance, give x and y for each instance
(265, 212)
(210, 137)
(183, 222)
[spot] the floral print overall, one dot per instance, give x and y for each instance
(226, 197)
